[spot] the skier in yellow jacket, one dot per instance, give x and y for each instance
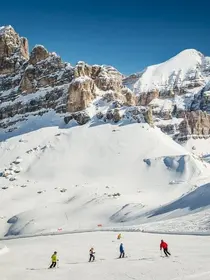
(119, 236)
(54, 260)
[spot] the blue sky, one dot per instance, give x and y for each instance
(129, 35)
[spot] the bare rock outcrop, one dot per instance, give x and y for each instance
(13, 50)
(195, 123)
(80, 117)
(147, 97)
(178, 102)
(149, 117)
(130, 97)
(80, 94)
(38, 54)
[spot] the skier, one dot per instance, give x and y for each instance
(119, 236)
(92, 253)
(122, 251)
(54, 260)
(164, 246)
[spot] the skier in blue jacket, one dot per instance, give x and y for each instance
(122, 251)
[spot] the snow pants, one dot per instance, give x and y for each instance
(53, 265)
(122, 254)
(166, 252)
(92, 258)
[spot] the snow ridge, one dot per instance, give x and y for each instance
(174, 71)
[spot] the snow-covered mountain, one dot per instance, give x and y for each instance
(186, 70)
(173, 95)
(56, 179)
(177, 91)
(81, 146)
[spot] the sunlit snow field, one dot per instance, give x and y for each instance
(28, 259)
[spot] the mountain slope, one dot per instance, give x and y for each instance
(177, 91)
(80, 149)
(187, 66)
(173, 95)
(80, 177)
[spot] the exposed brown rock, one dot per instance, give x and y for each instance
(130, 97)
(149, 117)
(109, 78)
(63, 88)
(13, 50)
(81, 92)
(82, 69)
(24, 48)
(146, 98)
(38, 54)
(28, 82)
(195, 123)
(111, 96)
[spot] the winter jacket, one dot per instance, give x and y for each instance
(163, 245)
(121, 248)
(92, 252)
(54, 258)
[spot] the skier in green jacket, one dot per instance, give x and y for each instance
(54, 260)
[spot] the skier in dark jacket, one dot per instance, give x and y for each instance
(164, 246)
(122, 251)
(92, 253)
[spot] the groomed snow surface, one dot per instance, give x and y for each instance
(29, 258)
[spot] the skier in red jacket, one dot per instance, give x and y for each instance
(164, 246)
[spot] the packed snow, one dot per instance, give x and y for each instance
(30, 258)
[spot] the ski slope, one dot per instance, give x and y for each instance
(29, 258)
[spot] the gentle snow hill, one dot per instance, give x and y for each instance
(77, 178)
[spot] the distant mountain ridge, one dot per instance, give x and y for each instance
(173, 95)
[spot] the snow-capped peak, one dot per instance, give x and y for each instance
(3, 29)
(170, 73)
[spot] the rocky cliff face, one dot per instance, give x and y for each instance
(35, 84)
(173, 95)
(13, 50)
(176, 91)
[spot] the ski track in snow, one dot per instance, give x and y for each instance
(190, 257)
